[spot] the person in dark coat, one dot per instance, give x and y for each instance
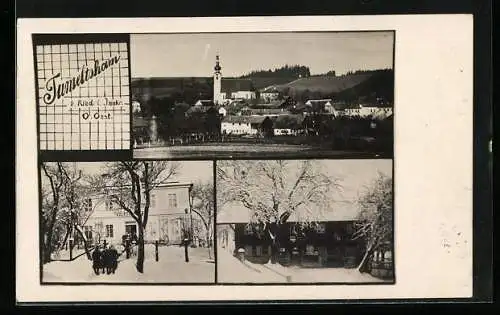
(96, 260)
(105, 260)
(113, 259)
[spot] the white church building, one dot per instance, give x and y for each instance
(226, 89)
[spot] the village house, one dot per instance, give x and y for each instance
(328, 243)
(241, 125)
(269, 94)
(326, 106)
(222, 111)
(367, 110)
(136, 107)
(247, 95)
(288, 125)
(266, 111)
(204, 103)
(352, 110)
(169, 215)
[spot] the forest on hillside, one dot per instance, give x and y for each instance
(301, 71)
(294, 71)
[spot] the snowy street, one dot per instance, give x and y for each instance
(171, 268)
(231, 270)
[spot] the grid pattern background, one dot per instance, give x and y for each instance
(62, 124)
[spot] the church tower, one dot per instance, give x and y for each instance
(217, 82)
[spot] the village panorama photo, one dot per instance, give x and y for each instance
(262, 95)
(305, 221)
(127, 222)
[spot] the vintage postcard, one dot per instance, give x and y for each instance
(243, 159)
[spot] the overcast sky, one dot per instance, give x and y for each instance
(356, 175)
(189, 171)
(193, 55)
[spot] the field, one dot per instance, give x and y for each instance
(242, 150)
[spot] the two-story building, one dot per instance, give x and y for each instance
(241, 125)
(169, 215)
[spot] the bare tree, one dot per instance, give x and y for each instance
(129, 185)
(51, 204)
(62, 203)
(275, 190)
(375, 225)
(202, 200)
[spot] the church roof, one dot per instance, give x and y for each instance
(229, 86)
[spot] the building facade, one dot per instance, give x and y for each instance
(169, 217)
(247, 95)
(241, 125)
(330, 242)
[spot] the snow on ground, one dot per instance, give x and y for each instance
(170, 268)
(231, 270)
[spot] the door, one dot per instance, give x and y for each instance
(130, 228)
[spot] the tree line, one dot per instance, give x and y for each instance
(289, 71)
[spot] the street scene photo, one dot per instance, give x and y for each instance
(127, 222)
(262, 95)
(305, 221)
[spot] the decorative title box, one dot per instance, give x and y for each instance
(83, 91)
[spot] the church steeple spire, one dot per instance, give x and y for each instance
(217, 67)
(218, 96)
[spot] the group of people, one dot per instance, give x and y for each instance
(105, 259)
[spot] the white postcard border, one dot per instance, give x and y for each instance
(433, 159)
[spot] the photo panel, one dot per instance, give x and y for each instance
(100, 224)
(305, 222)
(83, 95)
(262, 95)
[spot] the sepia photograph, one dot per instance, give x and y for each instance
(305, 221)
(127, 222)
(262, 95)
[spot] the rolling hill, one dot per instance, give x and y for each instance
(368, 84)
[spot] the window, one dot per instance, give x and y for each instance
(88, 231)
(349, 228)
(172, 200)
(248, 229)
(87, 204)
(153, 200)
(320, 228)
(98, 227)
(110, 205)
(109, 230)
